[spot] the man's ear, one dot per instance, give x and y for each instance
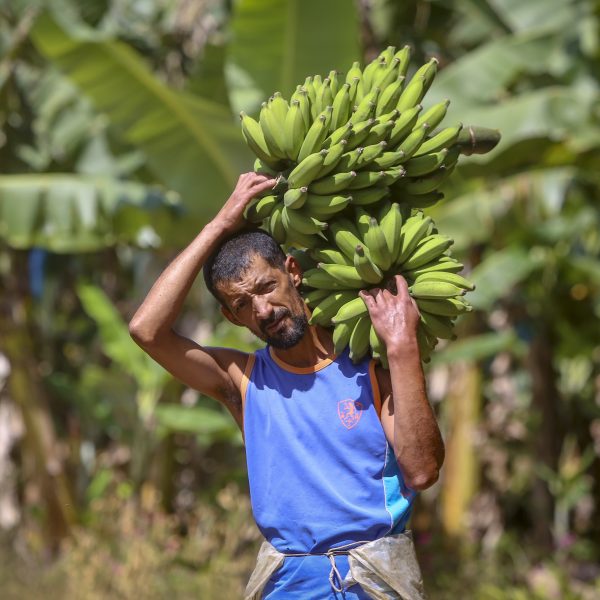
(294, 269)
(230, 316)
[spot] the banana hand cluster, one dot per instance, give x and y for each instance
(357, 159)
(366, 251)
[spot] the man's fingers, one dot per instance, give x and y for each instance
(401, 286)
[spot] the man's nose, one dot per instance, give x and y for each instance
(262, 307)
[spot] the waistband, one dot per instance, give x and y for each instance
(335, 577)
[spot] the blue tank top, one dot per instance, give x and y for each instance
(322, 474)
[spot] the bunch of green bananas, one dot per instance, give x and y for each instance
(367, 251)
(357, 159)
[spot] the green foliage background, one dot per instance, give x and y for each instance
(119, 140)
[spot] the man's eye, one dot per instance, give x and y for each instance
(239, 304)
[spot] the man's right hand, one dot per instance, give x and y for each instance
(249, 185)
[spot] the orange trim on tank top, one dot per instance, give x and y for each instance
(375, 387)
(301, 370)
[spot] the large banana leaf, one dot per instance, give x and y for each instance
(76, 213)
(192, 145)
(276, 44)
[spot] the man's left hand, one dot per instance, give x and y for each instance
(395, 317)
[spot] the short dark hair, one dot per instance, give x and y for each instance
(233, 257)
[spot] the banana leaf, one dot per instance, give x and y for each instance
(192, 145)
(77, 213)
(276, 44)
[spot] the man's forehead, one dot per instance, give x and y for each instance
(257, 270)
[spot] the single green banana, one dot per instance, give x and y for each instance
(439, 265)
(427, 251)
(360, 132)
(275, 224)
(327, 308)
(379, 133)
(330, 256)
(435, 289)
(426, 164)
(413, 231)
(382, 80)
(350, 310)
(310, 91)
(391, 225)
(303, 223)
(403, 55)
(403, 126)
(413, 141)
(279, 106)
(444, 139)
(324, 207)
(324, 95)
(369, 195)
(349, 159)
(295, 197)
(388, 99)
(366, 268)
(340, 134)
(260, 208)
(343, 234)
(369, 72)
(272, 130)
(304, 102)
(362, 219)
(366, 107)
(389, 159)
(359, 339)
(263, 168)
(341, 108)
(332, 184)
(354, 72)
(294, 130)
(306, 170)
(376, 243)
(332, 159)
(314, 137)
(341, 336)
(440, 327)
(392, 175)
(453, 278)
(426, 185)
(411, 95)
(434, 115)
(336, 82)
(427, 72)
(445, 307)
(302, 240)
(355, 92)
(346, 275)
(253, 134)
(366, 179)
(317, 278)
(313, 297)
(369, 154)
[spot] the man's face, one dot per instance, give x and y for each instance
(265, 300)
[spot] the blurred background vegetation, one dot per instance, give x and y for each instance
(119, 140)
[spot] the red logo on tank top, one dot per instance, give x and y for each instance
(350, 412)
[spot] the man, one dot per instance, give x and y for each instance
(336, 452)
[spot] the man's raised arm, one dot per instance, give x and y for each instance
(213, 371)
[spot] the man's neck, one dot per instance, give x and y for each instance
(315, 345)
